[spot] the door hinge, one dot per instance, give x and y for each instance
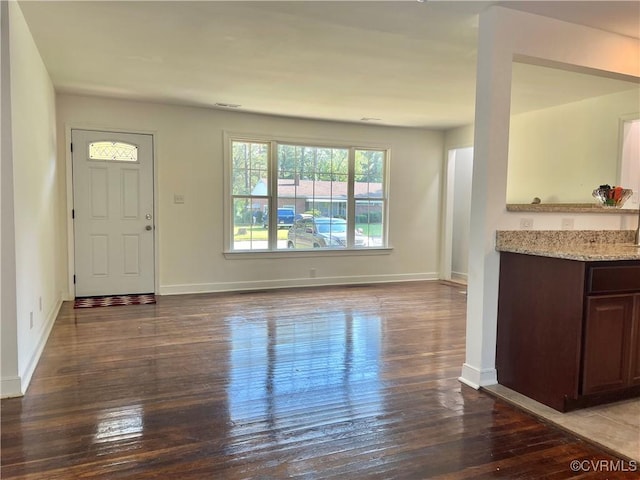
(74, 279)
(73, 213)
(71, 147)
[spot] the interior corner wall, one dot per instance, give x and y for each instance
(503, 35)
(189, 161)
(40, 238)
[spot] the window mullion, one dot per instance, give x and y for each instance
(272, 173)
(351, 203)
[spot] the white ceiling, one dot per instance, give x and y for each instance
(403, 62)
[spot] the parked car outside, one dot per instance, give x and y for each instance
(300, 216)
(321, 232)
(285, 218)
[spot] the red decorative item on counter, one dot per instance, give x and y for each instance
(613, 197)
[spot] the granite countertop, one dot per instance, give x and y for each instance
(582, 245)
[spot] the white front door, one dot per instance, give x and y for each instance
(113, 213)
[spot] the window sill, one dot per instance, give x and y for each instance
(353, 252)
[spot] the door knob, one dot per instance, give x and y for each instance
(148, 227)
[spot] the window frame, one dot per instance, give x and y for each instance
(272, 166)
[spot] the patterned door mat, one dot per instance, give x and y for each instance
(114, 300)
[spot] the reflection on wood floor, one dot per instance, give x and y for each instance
(344, 382)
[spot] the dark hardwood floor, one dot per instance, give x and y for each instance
(346, 382)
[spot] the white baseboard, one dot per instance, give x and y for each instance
(10, 387)
(291, 282)
(459, 277)
(50, 319)
(17, 386)
(475, 378)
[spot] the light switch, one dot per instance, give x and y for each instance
(178, 198)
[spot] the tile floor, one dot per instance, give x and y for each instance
(615, 426)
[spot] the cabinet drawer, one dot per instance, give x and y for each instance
(612, 279)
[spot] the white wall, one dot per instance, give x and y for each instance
(10, 379)
(561, 154)
(459, 137)
(504, 35)
(40, 238)
(189, 160)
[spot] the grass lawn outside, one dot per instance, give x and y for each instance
(258, 232)
(370, 229)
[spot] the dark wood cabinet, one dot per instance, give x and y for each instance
(607, 343)
(568, 331)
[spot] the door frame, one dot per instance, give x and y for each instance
(69, 178)
(622, 121)
(448, 184)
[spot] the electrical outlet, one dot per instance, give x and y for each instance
(30, 320)
(526, 223)
(567, 224)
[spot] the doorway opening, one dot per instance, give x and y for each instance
(457, 214)
(630, 159)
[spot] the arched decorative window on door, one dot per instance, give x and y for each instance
(114, 151)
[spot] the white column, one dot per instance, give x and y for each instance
(491, 145)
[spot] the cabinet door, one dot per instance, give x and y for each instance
(634, 374)
(607, 353)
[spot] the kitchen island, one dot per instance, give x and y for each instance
(569, 316)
